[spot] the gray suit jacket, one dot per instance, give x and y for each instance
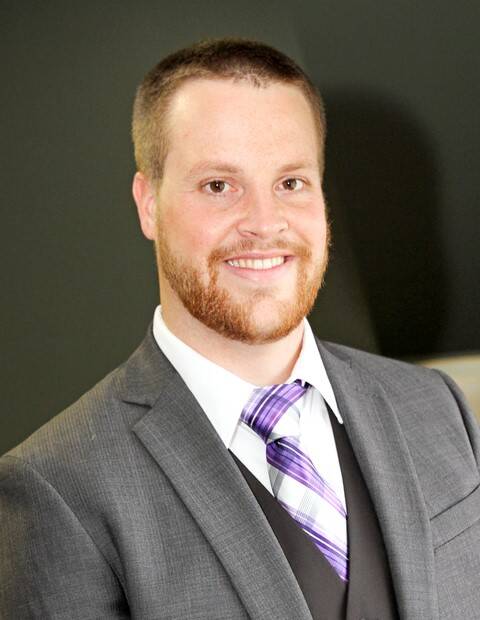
(128, 504)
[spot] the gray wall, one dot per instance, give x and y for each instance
(401, 84)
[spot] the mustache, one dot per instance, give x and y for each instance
(252, 245)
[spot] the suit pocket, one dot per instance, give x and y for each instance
(456, 519)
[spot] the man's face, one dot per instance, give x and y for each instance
(241, 232)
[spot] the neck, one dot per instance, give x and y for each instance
(259, 364)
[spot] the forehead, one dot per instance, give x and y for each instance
(230, 118)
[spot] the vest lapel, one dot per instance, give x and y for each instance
(181, 439)
(382, 454)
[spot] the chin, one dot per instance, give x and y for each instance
(262, 322)
(269, 334)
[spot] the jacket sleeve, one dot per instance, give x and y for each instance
(49, 565)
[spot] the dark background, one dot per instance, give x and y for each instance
(401, 84)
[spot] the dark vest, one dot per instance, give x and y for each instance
(369, 594)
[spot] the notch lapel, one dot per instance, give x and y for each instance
(181, 439)
(382, 453)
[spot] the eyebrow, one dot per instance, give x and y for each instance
(299, 165)
(220, 166)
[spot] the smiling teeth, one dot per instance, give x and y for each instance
(257, 263)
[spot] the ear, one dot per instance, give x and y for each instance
(145, 199)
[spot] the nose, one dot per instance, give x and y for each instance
(263, 217)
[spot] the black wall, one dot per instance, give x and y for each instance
(401, 85)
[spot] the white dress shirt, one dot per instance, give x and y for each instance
(222, 396)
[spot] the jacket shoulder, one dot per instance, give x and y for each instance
(388, 370)
(85, 430)
(103, 416)
(419, 395)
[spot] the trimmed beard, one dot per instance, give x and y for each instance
(214, 307)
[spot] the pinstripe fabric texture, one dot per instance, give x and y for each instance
(297, 485)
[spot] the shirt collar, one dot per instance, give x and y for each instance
(310, 368)
(220, 393)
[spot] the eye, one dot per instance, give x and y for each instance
(293, 184)
(217, 187)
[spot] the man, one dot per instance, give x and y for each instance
(235, 467)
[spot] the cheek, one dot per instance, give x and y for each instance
(312, 226)
(190, 235)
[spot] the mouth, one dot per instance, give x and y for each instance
(260, 268)
(257, 264)
(259, 260)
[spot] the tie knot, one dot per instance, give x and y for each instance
(268, 404)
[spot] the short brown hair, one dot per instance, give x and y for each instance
(236, 59)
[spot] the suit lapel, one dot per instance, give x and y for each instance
(185, 445)
(379, 445)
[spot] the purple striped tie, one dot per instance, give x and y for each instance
(307, 497)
